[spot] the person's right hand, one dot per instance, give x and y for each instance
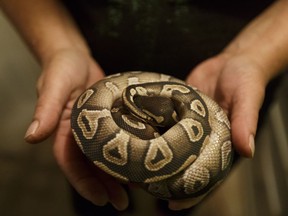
(65, 76)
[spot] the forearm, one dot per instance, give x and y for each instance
(45, 25)
(265, 40)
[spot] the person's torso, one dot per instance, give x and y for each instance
(170, 36)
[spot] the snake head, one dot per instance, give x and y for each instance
(149, 105)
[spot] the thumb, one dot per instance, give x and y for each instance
(53, 95)
(244, 118)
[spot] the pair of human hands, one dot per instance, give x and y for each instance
(235, 82)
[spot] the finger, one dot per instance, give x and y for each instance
(244, 118)
(90, 182)
(118, 196)
(177, 205)
(80, 172)
(53, 94)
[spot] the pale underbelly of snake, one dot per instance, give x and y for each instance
(154, 130)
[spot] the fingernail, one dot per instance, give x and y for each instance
(100, 200)
(175, 206)
(116, 206)
(120, 206)
(252, 145)
(32, 129)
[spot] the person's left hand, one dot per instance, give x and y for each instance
(237, 83)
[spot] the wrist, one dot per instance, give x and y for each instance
(261, 58)
(264, 41)
(45, 50)
(53, 35)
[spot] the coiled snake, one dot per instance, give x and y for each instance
(155, 130)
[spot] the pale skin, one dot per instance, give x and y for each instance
(236, 79)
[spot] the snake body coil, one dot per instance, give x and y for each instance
(155, 130)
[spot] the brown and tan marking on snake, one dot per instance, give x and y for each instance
(155, 130)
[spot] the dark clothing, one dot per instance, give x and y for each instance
(168, 36)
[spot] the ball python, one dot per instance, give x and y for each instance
(155, 130)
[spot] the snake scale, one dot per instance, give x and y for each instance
(155, 130)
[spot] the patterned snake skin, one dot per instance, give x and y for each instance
(154, 130)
